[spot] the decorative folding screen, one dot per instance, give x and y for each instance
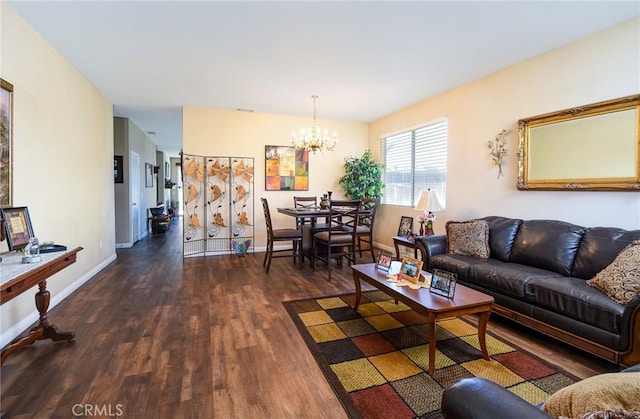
(218, 204)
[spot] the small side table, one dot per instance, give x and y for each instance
(406, 242)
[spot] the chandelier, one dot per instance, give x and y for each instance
(311, 139)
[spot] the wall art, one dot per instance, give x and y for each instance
(286, 169)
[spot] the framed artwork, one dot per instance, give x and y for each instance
(17, 227)
(384, 261)
(118, 175)
(410, 269)
(148, 175)
(6, 144)
(443, 283)
(406, 226)
(286, 169)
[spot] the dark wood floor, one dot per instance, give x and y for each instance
(162, 337)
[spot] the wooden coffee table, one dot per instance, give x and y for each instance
(434, 307)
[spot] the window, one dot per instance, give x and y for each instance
(415, 160)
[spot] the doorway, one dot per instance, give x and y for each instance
(135, 196)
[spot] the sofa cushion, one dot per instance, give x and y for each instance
(468, 238)
(599, 247)
(547, 244)
(507, 278)
(619, 390)
(502, 232)
(457, 264)
(572, 297)
(621, 280)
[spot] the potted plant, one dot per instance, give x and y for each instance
(362, 178)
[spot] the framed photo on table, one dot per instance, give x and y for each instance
(17, 226)
(410, 269)
(384, 261)
(406, 226)
(443, 283)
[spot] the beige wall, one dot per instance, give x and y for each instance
(603, 66)
(62, 161)
(218, 132)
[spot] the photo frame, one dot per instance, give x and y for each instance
(406, 226)
(384, 261)
(443, 283)
(286, 169)
(6, 144)
(17, 225)
(148, 175)
(118, 175)
(411, 269)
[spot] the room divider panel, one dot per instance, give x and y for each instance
(218, 204)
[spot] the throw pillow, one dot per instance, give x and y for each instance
(611, 414)
(621, 279)
(468, 238)
(619, 390)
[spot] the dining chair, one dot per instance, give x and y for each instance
(304, 202)
(280, 235)
(364, 232)
(339, 241)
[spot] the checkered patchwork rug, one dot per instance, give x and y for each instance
(377, 359)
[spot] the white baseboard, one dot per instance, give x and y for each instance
(33, 317)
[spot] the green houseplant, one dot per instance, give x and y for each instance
(362, 178)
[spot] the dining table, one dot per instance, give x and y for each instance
(312, 220)
(308, 221)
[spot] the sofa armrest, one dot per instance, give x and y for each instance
(430, 246)
(477, 398)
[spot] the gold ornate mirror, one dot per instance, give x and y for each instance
(591, 147)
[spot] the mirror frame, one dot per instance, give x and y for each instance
(582, 184)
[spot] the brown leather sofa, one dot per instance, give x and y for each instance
(537, 272)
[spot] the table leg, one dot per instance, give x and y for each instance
(432, 346)
(43, 330)
(482, 329)
(356, 280)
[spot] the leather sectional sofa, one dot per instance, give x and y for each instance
(537, 272)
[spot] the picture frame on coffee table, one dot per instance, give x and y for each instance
(384, 261)
(410, 269)
(443, 283)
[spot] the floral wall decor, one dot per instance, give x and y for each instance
(498, 150)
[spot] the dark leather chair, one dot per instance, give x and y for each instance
(364, 231)
(280, 235)
(339, 240)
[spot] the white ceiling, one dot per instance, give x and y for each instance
(363, 59)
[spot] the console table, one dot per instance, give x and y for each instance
(18, 277)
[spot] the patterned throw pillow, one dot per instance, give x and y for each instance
(618, 390)
(621, 279)
(468, 238)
